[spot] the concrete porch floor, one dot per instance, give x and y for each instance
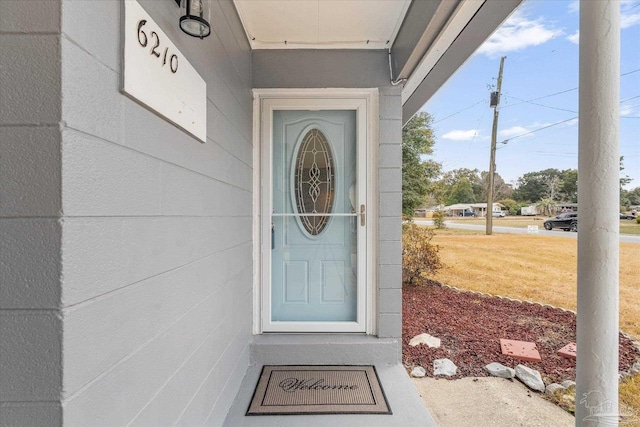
(407, 406)
(332, 349)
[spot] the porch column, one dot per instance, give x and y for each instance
(598, 226)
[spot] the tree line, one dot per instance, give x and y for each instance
(424, 182)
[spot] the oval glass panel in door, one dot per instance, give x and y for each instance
(314, 182)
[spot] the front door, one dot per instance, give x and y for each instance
(316, 218)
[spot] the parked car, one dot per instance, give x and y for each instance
(567, 221)
(467, 212)
(624, 216)
(498, 214)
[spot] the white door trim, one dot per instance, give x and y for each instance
(365, 102)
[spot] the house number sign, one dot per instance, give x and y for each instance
(157, 74)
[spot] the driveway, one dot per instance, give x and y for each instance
(624, 238)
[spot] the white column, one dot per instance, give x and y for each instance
(598, 198)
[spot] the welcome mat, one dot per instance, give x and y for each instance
(297, 390)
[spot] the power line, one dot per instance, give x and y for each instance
(573, 111)
(629, 72)
(458, 112)
(546, 153)
(542, 97)
(629, 99)
(539, 129)
(541, 105)
(564, 91)
(564, 121)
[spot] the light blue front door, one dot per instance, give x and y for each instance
(315, 217)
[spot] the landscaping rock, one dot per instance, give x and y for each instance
(427, 339)
(444, 367)
(499, 370)
(530, 377)
(568, 384)
(552, 388)
(418, 372)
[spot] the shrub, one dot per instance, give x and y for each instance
(438, 219)
(638, 220)
(419, 257)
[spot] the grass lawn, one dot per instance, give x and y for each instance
(626, 226)
(536, 268)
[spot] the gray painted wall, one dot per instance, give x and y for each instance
(156, 242)
(30, 204)
(360, 69)
(126, 243)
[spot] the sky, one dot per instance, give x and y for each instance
(540, 42)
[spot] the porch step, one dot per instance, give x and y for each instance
(324, 349)
(407, 406)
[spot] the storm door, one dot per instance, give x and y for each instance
(316, 222)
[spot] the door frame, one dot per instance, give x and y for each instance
(365, 103)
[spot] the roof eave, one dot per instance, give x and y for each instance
(466, 28)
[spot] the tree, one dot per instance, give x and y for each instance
(417, 174)
(512, 206)
(625, 202)
(501, 190)
(553, 183)
(459, 186)
(568, 189)
(461, 192)
(534, 186)
(624, 180)
(547, 205)
(632, 196)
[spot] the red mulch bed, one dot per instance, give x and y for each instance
(470, 327)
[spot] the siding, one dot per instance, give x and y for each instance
(358, 69)
(156, 228)
(30, 203)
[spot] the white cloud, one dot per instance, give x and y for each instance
(460, 135)
(572, 122)
(517, 33)
(512, 131)
(574, 6)
(629, 19)
(628, 14)
(626, 110)
(575, 37)
(516, 131)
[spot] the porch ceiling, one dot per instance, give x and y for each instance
(321, 24)
(428, 40)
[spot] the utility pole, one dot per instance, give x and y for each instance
(495, 102)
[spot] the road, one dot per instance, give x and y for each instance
(625, 238)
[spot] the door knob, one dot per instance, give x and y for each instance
(363, 215)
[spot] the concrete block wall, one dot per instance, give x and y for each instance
(358, 69)
(126, 244)
(390, 213)
(30, 204)
(156, 237)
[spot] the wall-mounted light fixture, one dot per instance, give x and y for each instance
(192, 20)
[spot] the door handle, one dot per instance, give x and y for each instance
(363, 215)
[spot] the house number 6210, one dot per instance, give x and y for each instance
(143, 40)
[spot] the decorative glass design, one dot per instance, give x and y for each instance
(314, 181)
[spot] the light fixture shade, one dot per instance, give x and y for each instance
(192, 21)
